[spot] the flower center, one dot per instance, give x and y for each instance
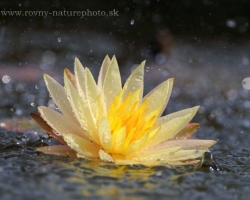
(130, 118)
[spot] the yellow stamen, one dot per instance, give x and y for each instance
(132, 116)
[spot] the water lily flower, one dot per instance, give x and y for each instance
(117, 124)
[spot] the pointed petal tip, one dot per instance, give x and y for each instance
(107, 57)
(196, 108)
(171, 80)
(66, 72)
(46, 77)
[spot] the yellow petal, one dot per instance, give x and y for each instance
(173, 125)
(60, 123)
(59, 96)
(135, 81)
(76, 102)
(137, 145)
(118, 139)
(185, 144)
(156, 157)
(44, 125)
(159, 96)
(112, 82)
(187, 131)
(91, 93)
(102, 112)
(183, 155)
(178, 114)
(83, 147)
(82, 110)
(80, 77)
(105, 157)
(103, 71)
(71, 77)
(105, 134)
(59, 150)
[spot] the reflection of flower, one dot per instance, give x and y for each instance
(116, 124)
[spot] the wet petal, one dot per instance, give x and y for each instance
(187, 131)
(173, 125)
(118, 139)
(59, 150)
(91, 93)
(81, 109)
(183, 155)
(59, 96)
(105, 134)
(103, 71)
(80, 77)
(83, 147)
(135, 81)
(71, 77)
(178, 114)
(137, 145)
(102, 112)
(43, 124)
(112, 82)
(156, 157)
(105, 157)
(60, 123)
(191, 144)
(159, 96)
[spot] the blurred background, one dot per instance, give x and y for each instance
(203, 44)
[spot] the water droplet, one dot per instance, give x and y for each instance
(231, 23)
(2, 124)
(132, 22)
(58, 134)
(147, 69)
(59, 39)
(246, 83)
(37, 87)
(24, 138)
(6, 79)
(33, 104)
(159, 69)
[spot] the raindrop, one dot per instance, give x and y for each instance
(6, 79)
(24, 138)
(246, 83)
(59, 39)
(56, 107)
(231, 23)
(245, 61)
(2, 124)
(147, 69)
(132, 22)
(232, 94)
(33, 104)
(159, 69)
(37, 87)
